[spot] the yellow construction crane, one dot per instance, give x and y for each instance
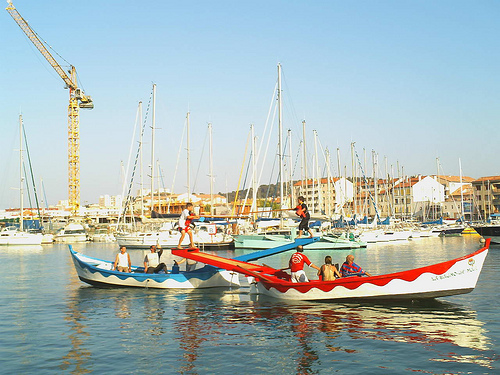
(77, 100)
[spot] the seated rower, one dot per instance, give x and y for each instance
(349, 268)
(152, 261)
(122, 261)
(328, 271)
(190, 264)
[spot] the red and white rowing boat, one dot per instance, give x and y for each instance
(457, 276)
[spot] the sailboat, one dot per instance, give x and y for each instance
(11, 235)
(205, 235)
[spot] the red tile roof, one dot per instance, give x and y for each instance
(488, 178)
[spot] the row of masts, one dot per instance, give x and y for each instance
(316, 200)
(154, 163)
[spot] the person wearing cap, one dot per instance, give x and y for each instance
(296, 266)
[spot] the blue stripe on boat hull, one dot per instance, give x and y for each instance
(206, 277)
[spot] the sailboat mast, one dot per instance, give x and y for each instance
(21, 175)
(292, 192)
(304, 160)
(399, 188)
(462, 217)
(188, 160)
(211, 167)
(375, 182)
(280, 140)
(354, 180)
(153, 126)
(329, 180)
(367, 188)
(254, 174)
(141, 161)
(317, 172)
(340, 196)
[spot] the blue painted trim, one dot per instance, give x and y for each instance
(202, 274)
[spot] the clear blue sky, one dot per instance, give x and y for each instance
(412, 80)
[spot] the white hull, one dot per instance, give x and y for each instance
(103, 238)
(384, 236)
(99, 272)
(47, 238)
(72, 233)
(429, 282)
(70, 238)
(167, 240)
(16, 238)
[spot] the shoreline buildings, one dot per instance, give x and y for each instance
(421, 198)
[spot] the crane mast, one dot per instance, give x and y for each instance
(77, 100)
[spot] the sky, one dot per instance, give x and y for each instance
(414, 81)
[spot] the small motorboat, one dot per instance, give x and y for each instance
(457, 276)
(100, 272)
(489, 231)
(71, 233)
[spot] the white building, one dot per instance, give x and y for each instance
(427, 189)
(326, 196)
(110, 201)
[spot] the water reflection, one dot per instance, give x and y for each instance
(306, 333)
(154, 313)
(428, 322)
(78, 357)
(22, 249)
(191, 334)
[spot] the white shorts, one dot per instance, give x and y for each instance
(299, 277)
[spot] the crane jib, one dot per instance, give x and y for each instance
(77, 100)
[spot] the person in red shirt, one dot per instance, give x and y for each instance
(296, 266)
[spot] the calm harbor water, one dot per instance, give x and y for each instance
(50, 322)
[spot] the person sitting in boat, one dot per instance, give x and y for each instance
(302, 211)
(190, 264)
(296, 266)
(152, 261)
(328, 271)
(349, 268)
(122, 261)
(185, 224)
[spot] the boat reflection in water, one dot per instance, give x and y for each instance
(79, 357)
(189, 330)
(428, 323)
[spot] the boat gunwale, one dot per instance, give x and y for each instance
(271, 281)
(141, 276)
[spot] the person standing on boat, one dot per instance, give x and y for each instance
(187, 216)
(302, 211)
(152, 261)
(296, 266)
(122, 261)
(349, 268)
(328, 271)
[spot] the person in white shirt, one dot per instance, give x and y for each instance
(152, 261)
(122, 261)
